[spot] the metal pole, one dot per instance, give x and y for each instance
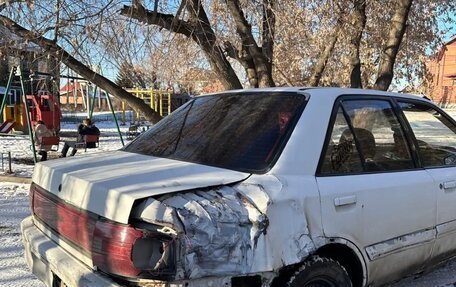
(152, 99)
(29, 122)
(124, 118)
(8, 86)
(10, 170)
(115, 118)
(99, 100)
(93, 102)
(138, 112)
(88, 100)
(169, 103)
(60, 76)
(161, 104)
(75, 94)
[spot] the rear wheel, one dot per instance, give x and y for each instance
(320, 272)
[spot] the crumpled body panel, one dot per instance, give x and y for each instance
(221, 231)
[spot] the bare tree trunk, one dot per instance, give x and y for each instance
(204, 36)
(323, 58)
(245, 59)
(268, 31)
(359, 23)
(53, 49)
(244, 30)
(389, 53)
(197, 28)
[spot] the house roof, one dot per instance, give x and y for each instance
(81, 89)
(451, 41)
(442, 50)
(70, 87)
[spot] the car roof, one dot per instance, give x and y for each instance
(324, 92)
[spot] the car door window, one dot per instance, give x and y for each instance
(341, 154)
(434, 132)
(375, 132)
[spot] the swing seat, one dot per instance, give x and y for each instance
(132, 132)
(52, 141)
(90, 141)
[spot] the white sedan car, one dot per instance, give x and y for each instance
(267, 187)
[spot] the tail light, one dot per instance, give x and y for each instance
(115, 248)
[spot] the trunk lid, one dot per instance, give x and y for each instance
(109, 183)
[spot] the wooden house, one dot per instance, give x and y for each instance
(442, 69)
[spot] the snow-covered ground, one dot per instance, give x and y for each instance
(14, 206)
(22, 156)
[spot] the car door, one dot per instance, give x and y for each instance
(435, 134)
(372, 193)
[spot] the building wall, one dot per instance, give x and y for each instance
(443, 71)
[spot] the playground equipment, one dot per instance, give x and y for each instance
(87, 139)
(42, 106)
(161, 101)
(45, 107)
(158, 100)
(7, 126)
(15, 71)
(87, 95)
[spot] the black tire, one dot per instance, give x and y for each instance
(320, 272)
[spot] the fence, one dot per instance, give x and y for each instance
(102, 117)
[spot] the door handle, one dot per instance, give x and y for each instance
(345, 200)
(448, 185)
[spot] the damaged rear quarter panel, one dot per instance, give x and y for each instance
(257, 225)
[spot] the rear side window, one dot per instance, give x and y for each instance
(244, 132)
(342, 154)
(376, 136)
(435, 134)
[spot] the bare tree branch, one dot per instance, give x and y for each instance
(53, 49)
(165, 21)
(197, 28)
(323, 58)
(244, 30)
(57, 21)
(246, 60)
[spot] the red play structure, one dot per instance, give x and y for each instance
(44, 106)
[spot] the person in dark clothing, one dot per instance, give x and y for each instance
(86, 128)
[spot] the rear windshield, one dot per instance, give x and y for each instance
(243, 132)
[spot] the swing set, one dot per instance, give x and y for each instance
(45, 107)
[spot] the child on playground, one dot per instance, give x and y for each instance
(42, 131)
(86, 128)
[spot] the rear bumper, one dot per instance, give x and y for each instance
(47, 260)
